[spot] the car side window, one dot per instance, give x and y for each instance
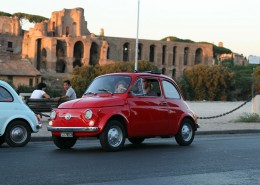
(152, 87)
(146, 87)
(5, 96)
(137, 88)
(170, 90)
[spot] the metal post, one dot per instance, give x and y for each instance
(136, 46)
(253, 83)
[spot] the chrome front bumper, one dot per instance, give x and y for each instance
(72, 129)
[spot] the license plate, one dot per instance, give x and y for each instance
(66, 134)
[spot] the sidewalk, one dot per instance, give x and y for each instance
(225, 124)
(221, 125)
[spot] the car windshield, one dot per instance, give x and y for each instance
(109, 84)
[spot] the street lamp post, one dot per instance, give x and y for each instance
(136, 46)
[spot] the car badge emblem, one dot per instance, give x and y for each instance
(68, 116)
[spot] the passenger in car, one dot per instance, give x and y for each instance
(148, 88)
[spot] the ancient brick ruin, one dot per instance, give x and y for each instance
(59, 44)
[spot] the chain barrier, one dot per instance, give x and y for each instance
(210, 117)
(220, 115)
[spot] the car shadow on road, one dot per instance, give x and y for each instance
(128, 148)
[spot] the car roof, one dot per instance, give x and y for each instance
(5, 84)
(10, 89)
(137, 74)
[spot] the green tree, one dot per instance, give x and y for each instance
(208, 83)
(220, 50)
(83, 76)
(5, 14)
(24, 17)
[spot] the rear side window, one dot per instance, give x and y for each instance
(5, 96)
(170, 90)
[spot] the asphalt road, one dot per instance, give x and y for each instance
(223, 159)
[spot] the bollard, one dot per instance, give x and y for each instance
(256, 104)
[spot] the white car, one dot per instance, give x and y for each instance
(17, 120)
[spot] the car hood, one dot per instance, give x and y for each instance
(93, 102)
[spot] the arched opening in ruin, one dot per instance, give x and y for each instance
(67, 31)
(74, 29)
(198, 56)
(60, 66)
(152, 53)
(78, 53)
(163, 54)
(140, 47)
(93, 54)
(163, 71)
(186, 54)
(44, 59)
(53, 29)
(126, 52)
(60, 55)
(174, 55)
(38, 53)
(108, 52)
(174, 73)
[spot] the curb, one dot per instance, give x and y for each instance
(213, 132)
(219, 132)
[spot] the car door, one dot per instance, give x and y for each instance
(6, 100)
(174, 103)
(148, 112)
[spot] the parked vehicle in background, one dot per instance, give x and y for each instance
(125, 105)
(17, 120)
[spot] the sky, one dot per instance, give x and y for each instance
(236, 23)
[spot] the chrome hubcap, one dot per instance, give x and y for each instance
(18, 134)
(186, 132)
(115, 136)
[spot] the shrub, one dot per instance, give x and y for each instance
(248, 117)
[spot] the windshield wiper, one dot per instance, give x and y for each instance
(106, 90)
(89, 92)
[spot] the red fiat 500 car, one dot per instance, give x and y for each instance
(125, 105)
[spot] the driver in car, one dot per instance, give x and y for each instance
(120, 87)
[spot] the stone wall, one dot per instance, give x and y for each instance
(168, 56)
(10, 26)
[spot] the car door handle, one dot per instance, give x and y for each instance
(163, 103)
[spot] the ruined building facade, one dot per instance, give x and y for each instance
(64, 42)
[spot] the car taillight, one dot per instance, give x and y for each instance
(38, 117)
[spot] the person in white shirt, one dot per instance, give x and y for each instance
(70, 93)
(40, 92)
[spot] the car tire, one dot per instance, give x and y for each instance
(136, 140)
(2, 140)
(64, 142)
(17, 134)
(186, 133)
(112, 138)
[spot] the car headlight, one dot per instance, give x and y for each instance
(88, 114)
(53, 114)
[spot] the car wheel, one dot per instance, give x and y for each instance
(186, 133)
(64, 142)
(17, 134)
(136, 140)
(2, 140)
(113, 136)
